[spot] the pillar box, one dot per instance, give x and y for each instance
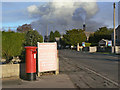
(31, 62)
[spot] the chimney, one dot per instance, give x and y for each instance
(84, 27)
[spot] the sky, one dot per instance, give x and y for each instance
(38, 14)
(15, 13)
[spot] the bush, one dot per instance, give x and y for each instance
(87, 44)
(12, 44)
(94, 44)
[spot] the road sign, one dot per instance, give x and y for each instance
(109, 43)
(83, 44)
(47, 57)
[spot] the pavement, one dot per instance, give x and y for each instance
(45, 81)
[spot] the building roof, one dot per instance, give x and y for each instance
(117, 30)
(118, 27)
(104, 40)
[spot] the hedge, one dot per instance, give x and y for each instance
(12, 44)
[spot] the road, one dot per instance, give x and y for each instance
(95, 70)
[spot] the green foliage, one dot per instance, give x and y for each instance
(74, 36)
(52, 37)
(32, 37)
(94, 44)
(87, 44)
(56, 34)
(102, 33)
(12, 44)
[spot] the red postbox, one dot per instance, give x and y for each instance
(31, 62)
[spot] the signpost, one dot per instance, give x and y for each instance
(78, 48)
(47, 57)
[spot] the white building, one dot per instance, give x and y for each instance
(103, 42)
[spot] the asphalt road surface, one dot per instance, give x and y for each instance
(89, 70)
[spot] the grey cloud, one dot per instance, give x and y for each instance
(61, 16)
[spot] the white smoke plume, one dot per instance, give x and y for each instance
(62, 16)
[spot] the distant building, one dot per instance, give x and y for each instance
(117, 36)
(104, 42)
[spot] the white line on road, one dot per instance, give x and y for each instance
(115, 83)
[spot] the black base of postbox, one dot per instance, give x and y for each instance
(31, 76)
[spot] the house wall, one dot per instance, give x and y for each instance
(117, 36)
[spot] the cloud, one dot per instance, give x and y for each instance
(33, 9)
(119, 12)
(63, 15)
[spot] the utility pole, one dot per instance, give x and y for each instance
(114, 28)
(47, 30)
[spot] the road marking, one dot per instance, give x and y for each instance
(98, 74)
(115, 83)
(64, 57)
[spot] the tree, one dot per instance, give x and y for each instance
(101, 33)
(32, 37)
(24, 28)
(56, 34)
(51, 37)
(74, 36)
